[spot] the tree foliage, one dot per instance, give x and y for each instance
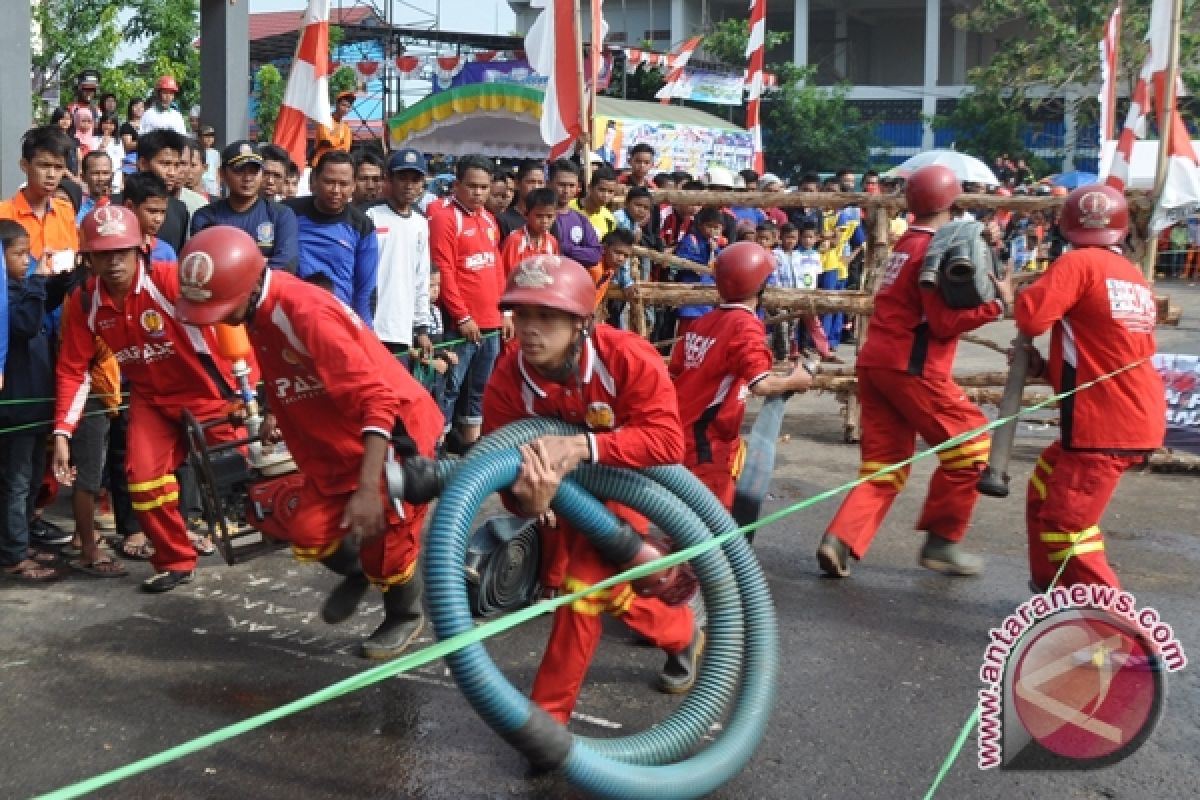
(268, 94)
(343, 79)
(74, 35)
(168, 29)
(805, 127)
(1057, 46)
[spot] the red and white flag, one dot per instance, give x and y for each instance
(756, 47)
(307, 94)
(552, 47)
(676, 86)
(1110, 43)
(1181, 189)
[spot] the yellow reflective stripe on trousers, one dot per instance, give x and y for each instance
(156, 502)
(157, 483)
(1077, 550)
(314, 553)
(869, 468)
(1036, 482)
(393, 580)
(1068, 537)
(970, 448)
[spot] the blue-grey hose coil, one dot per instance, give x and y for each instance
(738, 674)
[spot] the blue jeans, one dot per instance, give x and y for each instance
(468, 378)
(22, 461)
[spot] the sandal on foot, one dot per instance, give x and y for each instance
(204, 545)
(102, 567)
(32, 571)
(138, 552)
(41, 556)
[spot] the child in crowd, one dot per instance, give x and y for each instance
(613, 268)
(767, 235)
(536, 236)
(676, 221)
(33, 291)
(798, 266)
(146, 194)
(430, 367)
(746, 231)
(700, 245)
(638, 217)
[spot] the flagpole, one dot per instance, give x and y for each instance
(584, 146)
(1164, 128)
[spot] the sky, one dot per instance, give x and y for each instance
(469, 16)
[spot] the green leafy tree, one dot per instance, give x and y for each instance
(268, 92)
(1057, 48)
(168, 28)
(638, 84)
(805, 127)
(343, 79)
(74, 35)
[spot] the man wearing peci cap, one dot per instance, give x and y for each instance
(402, 316)
(272, 225)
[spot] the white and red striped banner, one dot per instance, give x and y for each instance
(1110, 43)
(756, 51)
(1181, 190)
(675, 85)
(307, 93)
(635, 57)
(552, 46)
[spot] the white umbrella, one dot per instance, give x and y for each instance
(968, 169)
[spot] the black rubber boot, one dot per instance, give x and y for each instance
(679, 672)
(402, 621)
(343, 601)
(834, 556)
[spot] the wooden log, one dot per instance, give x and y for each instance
(843, 379)
(1139, 201)
(671, 260)
(805, 301)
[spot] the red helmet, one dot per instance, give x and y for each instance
(742, 269)
(1094, 216)
(1058, 191)
(551, 282)
(218, 269)
(168, 83)
(931, 189)
(110, 227)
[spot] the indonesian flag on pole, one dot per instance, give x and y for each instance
(676, 86)
(755, 52)
(307, 93)
(1109, 44)
(552, 47)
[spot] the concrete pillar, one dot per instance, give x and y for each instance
(841, 43)
(679, 28)
(225, 67)
(958, 69)
(15, 90)
(933, 34)
(800, 34)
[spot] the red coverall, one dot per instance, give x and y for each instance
(905, 390)
(626, 401)
(723, 354)
(170, 367)
(329, 383)
(1103, 316)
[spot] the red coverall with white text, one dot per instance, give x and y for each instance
(722, 354)
(1103, 315)
(905, 390)
(170, 367)
(625, 399)
(330, 382)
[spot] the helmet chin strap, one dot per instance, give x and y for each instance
(570, 365)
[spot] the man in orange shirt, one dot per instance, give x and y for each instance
(338, 136)
(49, 221)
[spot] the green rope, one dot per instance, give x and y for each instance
(486, 630)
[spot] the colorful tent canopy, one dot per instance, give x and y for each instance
(501, 119)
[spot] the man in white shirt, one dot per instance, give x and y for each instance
(402, 317)
(161, 113)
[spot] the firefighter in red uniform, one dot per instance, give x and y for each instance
(614, 384)
(721, 357)
(905, 389)
(339, 399)
(1102, 314)
(171, 367)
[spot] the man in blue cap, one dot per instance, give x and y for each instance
(402, 317)
(272, 225)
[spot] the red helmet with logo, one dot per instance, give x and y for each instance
(1094, 216)
(551, 282)
(168, 83)
(218, 269)
(931, 189)
(110, 227)
(742, 269)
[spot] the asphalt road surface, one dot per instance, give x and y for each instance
(879, 672)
